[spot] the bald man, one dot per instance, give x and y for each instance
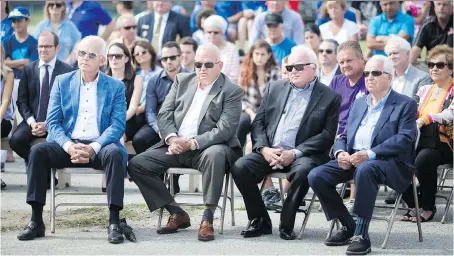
(197, 122)
(85, 121)
(292, 133)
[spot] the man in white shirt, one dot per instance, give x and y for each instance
(198, 123)
(327, 55)
(85, 121)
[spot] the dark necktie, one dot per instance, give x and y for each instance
(44, 98)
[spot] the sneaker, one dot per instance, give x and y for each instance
(275, 196)
(349, 205)
(342, 237)
(359, 246)
(268, 193)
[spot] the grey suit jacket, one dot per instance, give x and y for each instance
(415, 78)
(219, 117)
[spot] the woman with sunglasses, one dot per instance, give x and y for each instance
(145, 63)
(435, 121)
(119, 66)
(56, 21)
(338, 28)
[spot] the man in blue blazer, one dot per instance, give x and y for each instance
(85, 121)
(377, 148)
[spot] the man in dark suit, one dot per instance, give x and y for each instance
(197, 122)
(33, 96)
(377, 148)
(293, 132)
(163, 25)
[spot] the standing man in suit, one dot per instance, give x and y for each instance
(377, 148)
(292, 132)
(198, 123)
(163, 25)
(86, 119)
(34, 90)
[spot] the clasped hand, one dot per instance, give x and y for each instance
(39, 129)
(347, 161)
(178, 145)
(80, 153)
(277, 157)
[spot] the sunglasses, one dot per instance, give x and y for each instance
(439, 65)
(45, 46)
(58, 5)
(298, 67)
(130, 27)
(116, 56)
(374, 73)
(206, 64)
(172, 58)
(328, 51)
(91, 55)
(213, 32)
(140, 53)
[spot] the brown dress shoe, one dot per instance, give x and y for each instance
(174, 223)
(206, 231)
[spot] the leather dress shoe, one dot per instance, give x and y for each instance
(287, 234)
(206, 231)
(32, 231)
(174, 223)
(359, 246)
(114, 234)
(340, 238)
(258, 227)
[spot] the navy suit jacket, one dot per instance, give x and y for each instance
(177, 24)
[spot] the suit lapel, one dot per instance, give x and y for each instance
(407, 88)
(281, 102)
(217, 86)
(353, 127)
(101, 94)
(55, 72)
(313, 102)
(37, 82)
(386, 112)
(188, 96)
(75, 92)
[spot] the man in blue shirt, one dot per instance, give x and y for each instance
(7, 25)
(88, 15)
(280, 45)
(391, 22)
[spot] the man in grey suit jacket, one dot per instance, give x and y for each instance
(197, 123)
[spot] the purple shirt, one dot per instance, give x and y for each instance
(349, 94)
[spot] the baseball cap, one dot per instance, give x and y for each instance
(19, 13)
(274, 19)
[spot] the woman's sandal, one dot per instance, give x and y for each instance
(407, 216)
(422, 219)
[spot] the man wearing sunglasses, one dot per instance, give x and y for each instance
(198, 123)
(127, 29)
(378, 147)
(292, 133)
(327, 55)
(86, 119)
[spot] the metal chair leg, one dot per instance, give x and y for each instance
(52, 200)
(391, 221)
(448, 204)
(330, 231)
(281, 188)
(161, 211)
(232, 199)
(306, 218)
(224, 202)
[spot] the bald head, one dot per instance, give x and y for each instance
(302, 56)
(91, 54)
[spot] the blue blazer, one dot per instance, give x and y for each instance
(64, 107)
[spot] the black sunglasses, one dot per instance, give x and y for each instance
(439, 65)
(374, 73)
(328, 51)
(116, 56)
(91, 55)
(206, 64)
(172, 58)
(130, 27)
(58, 5)
(298, 67)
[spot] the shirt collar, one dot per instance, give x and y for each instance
(405, 73)
(164, 73)
(380, 103)
(94, 82)
(51, 63)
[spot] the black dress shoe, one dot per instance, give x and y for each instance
(32, 231)
(340, 238)
(392, 197)
(114, 234)
(359, 246)
(287, 234)
(259, 226)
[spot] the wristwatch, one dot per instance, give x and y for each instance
(193, 145)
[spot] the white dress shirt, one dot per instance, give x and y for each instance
(326, 79)
(86, 127)
(42, 72)
(399, 81)
(157, 16)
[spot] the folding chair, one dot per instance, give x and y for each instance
(445, 169)
(228, 182)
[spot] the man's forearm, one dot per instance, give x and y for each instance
(14, 63)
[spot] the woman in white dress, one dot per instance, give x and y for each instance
(338, 28)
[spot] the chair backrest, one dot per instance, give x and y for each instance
(418, 134)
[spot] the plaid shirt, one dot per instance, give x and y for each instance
(253, 95)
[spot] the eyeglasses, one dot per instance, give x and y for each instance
(328, 51)
(140, 53)
(116, 56)
(439, 65)
(45, 46)
(298, 67)
(206, 64)
(213, 32)
(130, 27)
(58, 5)
(374, 73)
(91, 55)
(172, 58)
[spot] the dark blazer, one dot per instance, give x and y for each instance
(177, 24)
(29, 87)
(318, 126)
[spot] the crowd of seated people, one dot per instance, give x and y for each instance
(174, 85)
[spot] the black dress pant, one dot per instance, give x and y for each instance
(426, 163)
(144, 139)
(6, 127)
(244, 128)
(133, 125)
(21, 139)
(251, 169)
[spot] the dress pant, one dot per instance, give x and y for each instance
(426, 163)
(21, 139)
(6, 127)
(367, 177)
(145, 170)
(244, 127)
(144, 138)
(49, 155)
(252, 168)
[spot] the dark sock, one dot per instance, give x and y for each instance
(362, 227)
(174, 208)
(348, 222)
(37, 213)
(114, 214)
(208, 215)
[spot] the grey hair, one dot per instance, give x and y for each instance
(394, 40)
(100, 41)
(307, 51)
(385, 61)
(353, 46)
(215, 21)
(210, 47)
(120, 20)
